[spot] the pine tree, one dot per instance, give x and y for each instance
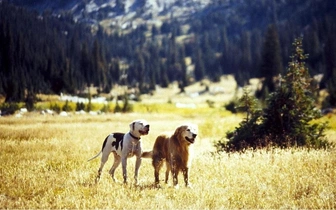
(287, 120)
(292, 107)
(140, 69)
(329, 78)
(199, 66)
(99, 66)
(183, 77)
(246, 135)
(86, 65)
(164, 80)
(271, 61)
(243, 72)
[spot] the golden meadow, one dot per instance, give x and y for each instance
(44, 165)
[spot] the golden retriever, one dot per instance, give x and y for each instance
(176, 150)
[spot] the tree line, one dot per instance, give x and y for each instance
(47, 53)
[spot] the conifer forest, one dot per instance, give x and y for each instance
(42, 52)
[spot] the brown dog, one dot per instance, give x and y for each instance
(176, 150)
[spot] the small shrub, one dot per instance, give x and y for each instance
(127, 107)
(210, 103)
(106, 108)
(89, 106)
(80, 106)
(231, 106)
(9, 108)
(55, 107)
(66, 107)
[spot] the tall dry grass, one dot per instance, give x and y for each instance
(44, 165)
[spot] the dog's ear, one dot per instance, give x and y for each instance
(132, 126)
(179, 130)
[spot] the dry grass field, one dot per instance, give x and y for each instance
(44, 165)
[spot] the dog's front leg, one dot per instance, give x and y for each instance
(124, 167)
(137, 167)
(186, 177)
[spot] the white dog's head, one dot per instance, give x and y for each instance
(139, 128)
(187, 132)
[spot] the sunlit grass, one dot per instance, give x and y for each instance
(44, 165)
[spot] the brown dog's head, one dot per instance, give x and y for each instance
(187, 132)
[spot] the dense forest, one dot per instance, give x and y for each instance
(48, 53)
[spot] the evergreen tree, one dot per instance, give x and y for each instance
(271, 65)
(292, 107)
(199, 65)
(243, 72)
(183, 78)
(329, 78)
(287, 120)
(154, 66)
(139, 71)
(86, 65)
(164, 81)
(207, 55)
(96, 64)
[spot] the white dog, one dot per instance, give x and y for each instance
(124, 146)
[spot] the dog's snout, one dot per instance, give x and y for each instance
(194, 135)
(147, 126)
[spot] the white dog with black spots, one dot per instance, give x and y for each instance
(124, 146)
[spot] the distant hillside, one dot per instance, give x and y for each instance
(121, 10)
(144, 43)
(247, 13)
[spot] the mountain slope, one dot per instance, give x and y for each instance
(235, 13)
(125, 9)
(152, 39)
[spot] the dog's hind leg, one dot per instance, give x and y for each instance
(175, 172)
(157, 164)
(167, 172)
(117, 161)
(104, 158)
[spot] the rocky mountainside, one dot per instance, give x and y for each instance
(121, 11)
(243, 14)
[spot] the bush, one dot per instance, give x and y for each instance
(287, 120)
(55, 107)
(106, 108)
(127, 107)
(9, 108)
(80, 106)
(66, 107)
(231, 106)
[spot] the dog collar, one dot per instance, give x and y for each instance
(134, 137)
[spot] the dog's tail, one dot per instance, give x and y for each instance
(95, 156)
(147, 154)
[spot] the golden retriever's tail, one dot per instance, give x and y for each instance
(147, 154)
